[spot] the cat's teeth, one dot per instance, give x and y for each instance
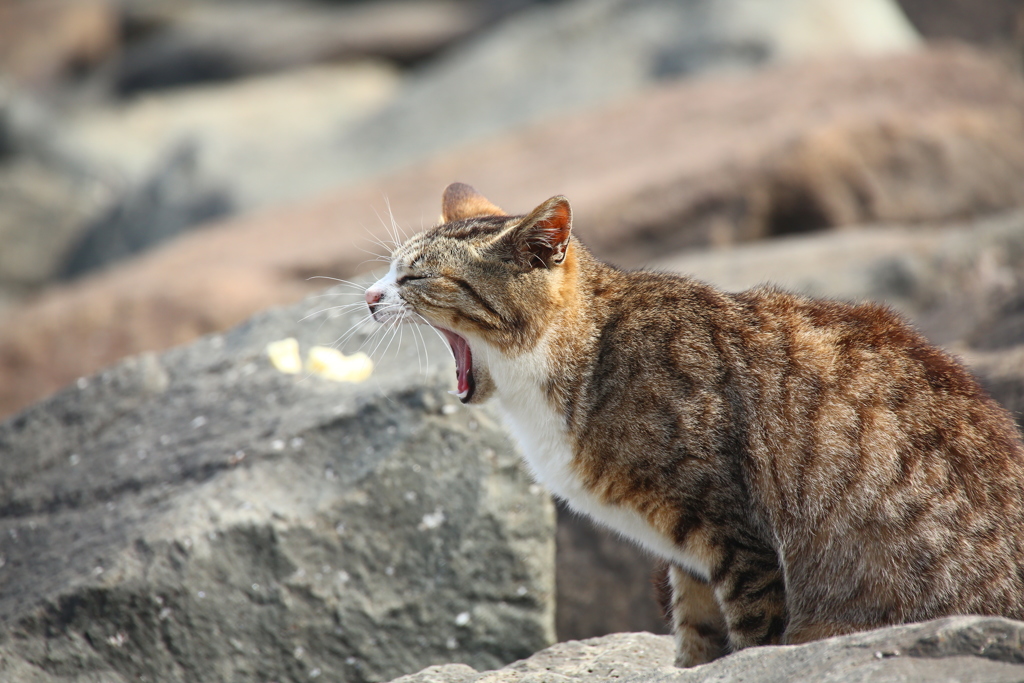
(459, 394)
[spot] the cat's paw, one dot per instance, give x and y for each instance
(696, 646)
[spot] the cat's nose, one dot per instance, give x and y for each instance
(373, 296)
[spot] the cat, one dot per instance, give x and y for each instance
(807, 467)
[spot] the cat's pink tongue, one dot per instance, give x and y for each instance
(463, 363)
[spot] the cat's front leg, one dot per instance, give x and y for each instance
(697, 622)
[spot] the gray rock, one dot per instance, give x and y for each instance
(994, 23)
(200, 516)
(951, 279)
(173, 199)
(580, 53)
(46, 196)
(960, 649)
(1002, 374)
(604, 582)
(210, 41)
(267, 138)
(43, 208)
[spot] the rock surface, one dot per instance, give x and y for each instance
(267, 139)
(960, 649)
(46, 197)
(200, 516)
(43, 42)
(175, 197)
(951, 280)
(996, 23)
(603, 583)
(566, 57)
(562, 58)
(209, 41)
(915, 138)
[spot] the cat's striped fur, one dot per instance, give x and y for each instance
(807, 467)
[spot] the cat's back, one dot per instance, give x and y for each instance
(804, 364)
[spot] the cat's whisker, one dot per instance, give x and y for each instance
(392, 243)
(397, 231)
(328, 295)
(401, 338)
(352, 331)
(425, 363)
(394, 239)
(388, 247)
(341, 307)
(377, 257)
(341, 311)
(357, 326)
(438, 333)
(381, 259)
(396, 330)
(350, 283)
(390, 326)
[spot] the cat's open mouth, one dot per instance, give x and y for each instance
(463, 364)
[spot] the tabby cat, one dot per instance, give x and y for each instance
(807, 467)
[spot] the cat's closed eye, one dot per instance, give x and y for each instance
(410, 278)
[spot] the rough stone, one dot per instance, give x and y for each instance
(42, 211)
(685, 165)
(46, 197)
(604, 583)
(996, 23)
(267, 139)
(207, 41)
(200, 516)
(46, 41)
(174, 198)
(954, 280)
(957, 649)
(1002, 374)
(554, 59)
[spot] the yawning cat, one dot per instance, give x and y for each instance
(807, 467)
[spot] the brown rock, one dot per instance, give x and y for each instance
(44, 40)
(917, 137)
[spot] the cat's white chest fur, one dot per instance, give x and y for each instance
(543, 439)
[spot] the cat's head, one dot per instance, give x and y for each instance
(482, 278)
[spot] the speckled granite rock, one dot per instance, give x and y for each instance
(958, 649)
(200, 516)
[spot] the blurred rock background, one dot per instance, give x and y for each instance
(169, 168)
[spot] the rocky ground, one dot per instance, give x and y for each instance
(956, 650)
(171, 169)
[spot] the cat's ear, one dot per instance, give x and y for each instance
(461, 201)
(543, 236)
